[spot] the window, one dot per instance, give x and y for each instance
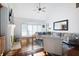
(24, 30)
(34, 28)
(30, 29)
(39, 28)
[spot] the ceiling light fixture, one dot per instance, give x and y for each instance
(39, 8)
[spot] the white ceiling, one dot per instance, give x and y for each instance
(26, 10)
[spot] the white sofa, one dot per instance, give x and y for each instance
(52, 44)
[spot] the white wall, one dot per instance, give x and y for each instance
(54, 12)
(65, 11)
(28, 10)
(20, 21)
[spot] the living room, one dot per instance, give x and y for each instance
(31, 26)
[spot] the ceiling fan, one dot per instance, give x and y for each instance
(39, 8)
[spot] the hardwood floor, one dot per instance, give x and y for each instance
(20, 52)
(27, 51)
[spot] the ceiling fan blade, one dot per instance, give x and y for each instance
(35, 10)
(44, 8)
(43, 11)
(38, 11)
(37, 6)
